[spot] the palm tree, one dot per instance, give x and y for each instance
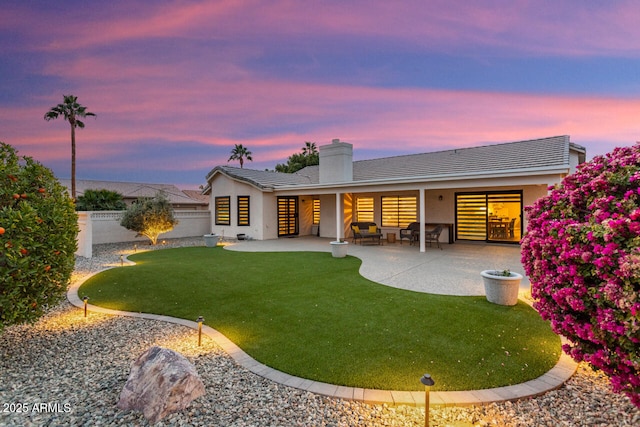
(240, 153)
(70, 110)
(309, 149)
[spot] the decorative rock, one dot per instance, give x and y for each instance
(161, 382)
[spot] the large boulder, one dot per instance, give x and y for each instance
(161, 382)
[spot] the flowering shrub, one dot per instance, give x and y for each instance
(38, 228)
(582, 254)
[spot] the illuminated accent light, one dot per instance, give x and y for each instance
(200, 320)
(428, 382)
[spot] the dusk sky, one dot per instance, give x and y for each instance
(175, 84)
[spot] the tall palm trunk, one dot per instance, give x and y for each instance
(73, 158)
(70, 110)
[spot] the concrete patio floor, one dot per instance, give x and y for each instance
(453, 270)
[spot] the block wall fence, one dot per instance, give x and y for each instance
(104, 227)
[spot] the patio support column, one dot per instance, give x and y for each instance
(339, 217)
(423, 219)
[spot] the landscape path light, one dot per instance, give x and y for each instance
(200, 320)
(428, 382)
(121, 260)
(85, 299)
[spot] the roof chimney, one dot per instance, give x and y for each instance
(336, 162)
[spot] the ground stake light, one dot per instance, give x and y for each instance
(428, 382)
(121, 260)
(85, 299)
(200, 320)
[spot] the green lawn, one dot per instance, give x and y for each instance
(314, 316)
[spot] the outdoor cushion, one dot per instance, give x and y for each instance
(356, 229)
(373, 229)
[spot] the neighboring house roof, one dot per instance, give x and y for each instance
(135, 190)
(545, 154)
(197, 195)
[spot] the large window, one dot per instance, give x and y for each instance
(364, 209)
(398, 211)
(223, 210)
(243, 211)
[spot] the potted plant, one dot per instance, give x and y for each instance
(501, 286)
(211, 240)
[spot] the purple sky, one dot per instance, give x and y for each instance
(175, 84)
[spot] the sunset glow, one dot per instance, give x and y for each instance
(176, 84)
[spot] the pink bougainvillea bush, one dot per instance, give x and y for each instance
(581, 252)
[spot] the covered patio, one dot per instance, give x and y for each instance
(454, 270)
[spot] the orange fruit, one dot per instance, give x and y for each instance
(2, 230)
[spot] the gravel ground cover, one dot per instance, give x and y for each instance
(68, 371)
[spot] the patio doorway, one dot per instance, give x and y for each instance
(489, 216)
(288, 216)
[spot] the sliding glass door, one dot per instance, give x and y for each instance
(287, 216)
(489, 216)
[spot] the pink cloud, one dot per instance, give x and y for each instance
(216, 114)
(550, 28)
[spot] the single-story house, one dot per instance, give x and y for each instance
(132, 191)
(477, 193)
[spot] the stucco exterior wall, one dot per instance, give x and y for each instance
(258, 212)
(264, 215)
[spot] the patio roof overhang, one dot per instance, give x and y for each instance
(529, 176)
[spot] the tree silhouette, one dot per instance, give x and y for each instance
(240, 153)
(308, 157)
(70, 110)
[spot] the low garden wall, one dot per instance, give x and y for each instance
(104, 227)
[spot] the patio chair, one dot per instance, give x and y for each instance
(366, 231)
(411, 232)
(433, 236)
(512, 226)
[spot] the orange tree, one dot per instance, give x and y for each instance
(38, 228)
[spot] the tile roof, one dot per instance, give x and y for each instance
(261, 179)
(529, 155)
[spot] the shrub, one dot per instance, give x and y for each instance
(100, 200)
(582, 254)
(150, 217)
(38, 228)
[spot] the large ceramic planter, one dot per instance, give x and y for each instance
(501, 290)
(211, 240)
(339, 249)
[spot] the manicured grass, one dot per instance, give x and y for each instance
(314, 316)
